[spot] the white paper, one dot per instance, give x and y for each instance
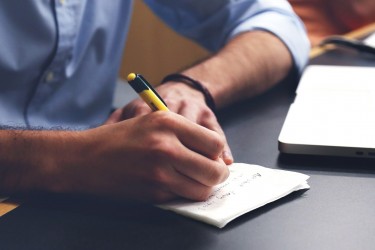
(247, 188)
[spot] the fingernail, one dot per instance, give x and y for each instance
(227, 157)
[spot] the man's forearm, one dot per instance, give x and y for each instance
(248, 65)
(30, 160)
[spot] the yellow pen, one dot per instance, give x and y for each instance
(146, 92)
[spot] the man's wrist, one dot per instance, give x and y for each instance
(62, 164)
(181, 78)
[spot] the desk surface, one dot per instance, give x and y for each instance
(336, 213)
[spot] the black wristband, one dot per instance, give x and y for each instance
(192, 83)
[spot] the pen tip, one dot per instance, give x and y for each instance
(131, 77)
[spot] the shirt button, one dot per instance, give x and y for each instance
(49, 77)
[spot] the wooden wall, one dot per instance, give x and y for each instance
(153, 49)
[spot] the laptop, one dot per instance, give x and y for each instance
(333, 113)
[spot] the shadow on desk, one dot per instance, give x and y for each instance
(72, 222)
(65, 222)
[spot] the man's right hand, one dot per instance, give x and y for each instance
(156, 157)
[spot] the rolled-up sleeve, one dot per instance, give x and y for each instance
(213, 23)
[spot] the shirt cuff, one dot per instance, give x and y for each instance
(288, 29)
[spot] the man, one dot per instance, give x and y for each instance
(58, 64)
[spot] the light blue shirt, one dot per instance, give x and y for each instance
(59, 59)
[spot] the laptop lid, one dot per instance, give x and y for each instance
(333, 113)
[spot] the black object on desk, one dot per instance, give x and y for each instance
(336, 213)
(348, 43)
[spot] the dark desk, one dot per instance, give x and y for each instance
(338, 212)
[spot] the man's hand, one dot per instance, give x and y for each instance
(181, 99)
(155, 157)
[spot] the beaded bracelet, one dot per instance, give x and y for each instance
(176, 77)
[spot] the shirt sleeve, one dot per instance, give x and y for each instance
(212, 23)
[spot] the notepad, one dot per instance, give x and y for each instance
(248, 187)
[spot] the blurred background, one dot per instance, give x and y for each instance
(155, 50)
